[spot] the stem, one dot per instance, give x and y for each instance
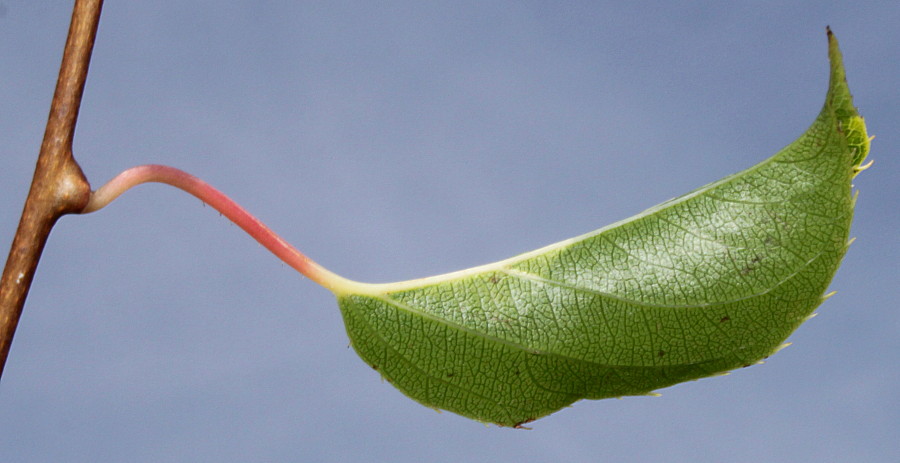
(58, 186)
(227, 207)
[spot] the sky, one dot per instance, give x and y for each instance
(396, 140)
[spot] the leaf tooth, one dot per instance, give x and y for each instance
(812, 315)
(779, 348)
(858, 169)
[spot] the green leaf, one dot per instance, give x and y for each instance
(711, 281)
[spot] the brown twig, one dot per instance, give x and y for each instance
(58, 187)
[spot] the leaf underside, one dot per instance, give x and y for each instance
(702, 284)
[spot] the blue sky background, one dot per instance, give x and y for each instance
(395, 140)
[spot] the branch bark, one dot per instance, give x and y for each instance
(59, 187)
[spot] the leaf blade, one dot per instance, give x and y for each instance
(711, 281)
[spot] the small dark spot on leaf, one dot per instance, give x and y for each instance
(752, 265)
(661, 353)
(450, 375)
(375, 367)
(725, 319)
(494, 279)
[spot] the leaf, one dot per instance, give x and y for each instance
(711, 281)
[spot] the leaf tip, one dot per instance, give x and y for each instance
(850, 123)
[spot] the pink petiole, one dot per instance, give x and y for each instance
(227, 207)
